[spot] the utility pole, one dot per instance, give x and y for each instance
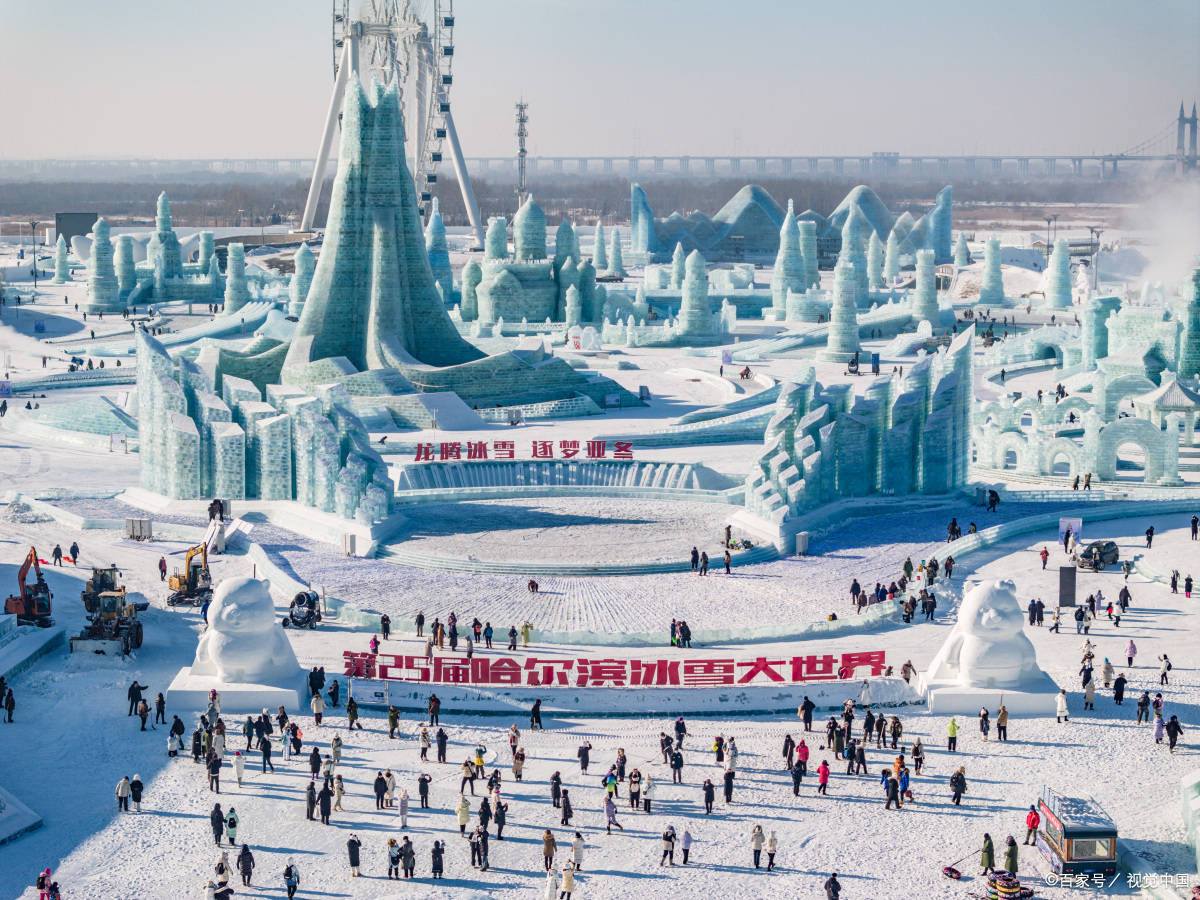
(1095, 233)
(33, 224)
(522, 133)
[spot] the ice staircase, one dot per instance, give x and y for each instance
(402, 557)
(559, 473)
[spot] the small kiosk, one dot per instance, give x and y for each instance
(1076, 835)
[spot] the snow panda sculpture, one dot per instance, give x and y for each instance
(244, 643)
(987, 647)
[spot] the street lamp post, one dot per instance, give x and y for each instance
(33, 224)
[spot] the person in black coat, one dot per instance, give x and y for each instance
(352, 848)
(584, 753)
(325, 802)
(214, 773)
(556, 789)
(135, 695)
(439, 851)
(442, 740)
(860, 760)
(797, 777)
(833, 888)
(245, 864)
(1119, 689)
(216, 818)
(567, 812)
(710, 793)
(423, 790)
(806, 712)
(265, 746)
(135, 792)
(500, 818)
(310, 801)
(729, 776)
(380, 790)
(314, 763)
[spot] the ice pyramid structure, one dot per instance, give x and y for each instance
(373, 301)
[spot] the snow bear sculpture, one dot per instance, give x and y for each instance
(244, 643)
(987, 648)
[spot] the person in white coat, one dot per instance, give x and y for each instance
(551, 892)
(772, 846)
(568, 882)
(731, 755)
(318, 707)
(390, 780)
(864, 695)
(647, 791)
(239, 765)
(577, 851)
(757, 839)
(403, 809)
(685, 843)
(219, 744)
(1060, 703)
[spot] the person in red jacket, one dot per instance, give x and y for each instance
(1032, 821)
(822, 777)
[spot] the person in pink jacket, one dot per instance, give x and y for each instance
(1131, 651)
(822, 777)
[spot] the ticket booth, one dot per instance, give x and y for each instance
(1076, 835)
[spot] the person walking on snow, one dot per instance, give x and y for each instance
(1032, 821)
(757, 839)
(123, 792)
(1060, 703)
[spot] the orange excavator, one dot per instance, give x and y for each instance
(31, 605)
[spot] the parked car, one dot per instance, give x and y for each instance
(1099, 554)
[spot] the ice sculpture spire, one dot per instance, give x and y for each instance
(1189, 340)
(566, 244)
(891, 262)
(992, 289)
(529, 232)
(853, 251)
(205, 251)
(643, 239)
(843, 316)
(169, 258)
(616, 263)
(962, 256)
(941, 217)
(62, 271)
(599, 255)
(102, 279)
(874, 262)
(301, 280)
(126, 270)
(495, 242)
(439, 255)
(695, 314)
(472, 274)
(373, 299)
(925, 299)
(237, 291)
(808, 246)
(788, 273)
(1058, 276)
(678, 265)
(573, 311)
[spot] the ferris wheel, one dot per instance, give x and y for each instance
(410, 43)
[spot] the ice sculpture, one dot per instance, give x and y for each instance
(789, 271)
(940, 219)
(992, 289)
(205, 252)
(62, 271)
(644, 238)
(439, 255)
(472, 274)
(125, 266)
(566, 244)
(987, 659)
(808, 247)
(843, 316)
(495, 242)
(891, 260)
(529, 232)
(695, 314)
(640, 305)
(587, 291)
(302, 279)
(853, 251)
(574, 309)
(169, 257)
(103, 295)
(244, 655)
(237, 291)
(1189, 340)
(372, 299)
(678, 267)
(924, 298)
(599, 255)
(874, 262)
(1058, 276)
(616, 264)
(962, 256)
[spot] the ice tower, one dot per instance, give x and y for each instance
(373, 300)
(237, 292)
(616, 263)
(644, 239)
(301, 280)
(472, 274)
(992, 289)
(789, 271)
(126, 268)
(1058, 276)
(891, 260)
(808, 247)
(874, 262)
(103, 295)
(529, 232)
(439, 256)
(599, 254)
(62, 271)
(924, 298)
(962, 256)
(854, 252)
(678, 267)
(940, 218)
(695, 315)
(843, 316)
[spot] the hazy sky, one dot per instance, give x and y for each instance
(251, 78)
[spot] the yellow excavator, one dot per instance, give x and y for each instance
(192, 586)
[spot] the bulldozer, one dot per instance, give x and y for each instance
(112, 619)
(113, 626)
(31, 604)
(193, 585)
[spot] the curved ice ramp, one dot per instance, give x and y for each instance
(243, 323)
